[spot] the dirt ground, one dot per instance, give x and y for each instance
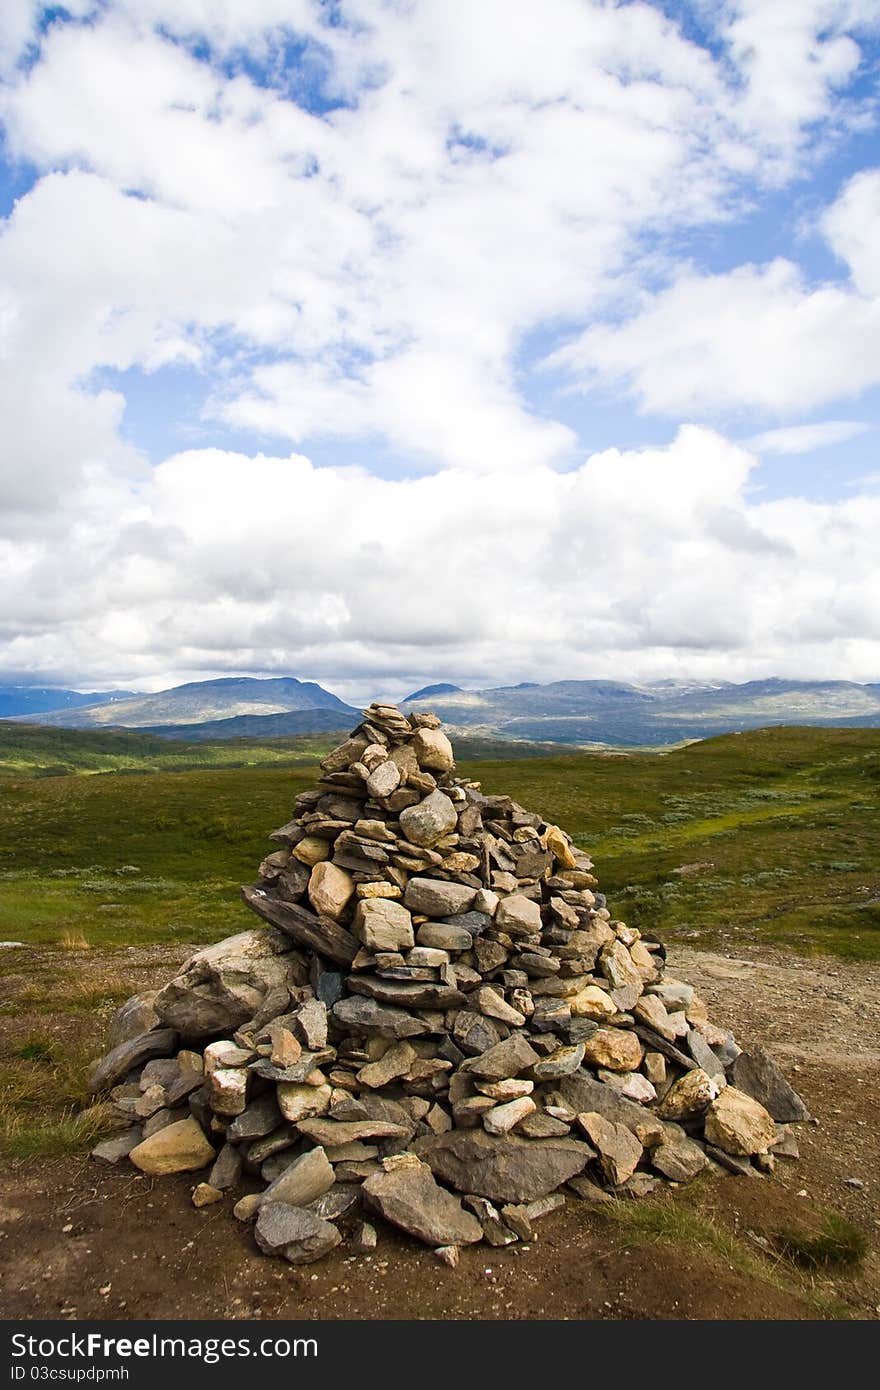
(81, 1240)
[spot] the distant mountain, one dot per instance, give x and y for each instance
(30, 699)
(200, 702)
(305, 721)
(618, 713)
(428, 692)
(652, 714)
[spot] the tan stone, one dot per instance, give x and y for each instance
(205, 1195)
(311, 850)
(739, 1125)
(394, 1063)
(378, 890)
(383, 925)
(688, 1096)
(651, 1010)
(299, 1101)
(433, 750)
(619, 1150)
(592, 1002)
(330, 889)
(615, 1048)
(556, 841)
(178, 1148)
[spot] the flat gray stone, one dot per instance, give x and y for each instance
(411, 1199)
(506, 1169)
(756, 1073)
(299, 1236)
(161, 1042)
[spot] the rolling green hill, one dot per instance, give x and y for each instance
(771, 835)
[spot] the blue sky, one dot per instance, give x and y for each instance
(335, 347)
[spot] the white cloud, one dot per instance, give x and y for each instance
(804, 439)
(639, 564)
(376, 271)
(755, 337)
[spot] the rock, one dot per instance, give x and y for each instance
(304, 1180)
(616, 965)
(330, 889)
(440, 936)
(619, 1150)
(247, 1207)
(587, 1190)
(448, 1255)
(372, 1019)
(511, 1089)
(311, 850)
(680, 1160)
(119, 1147)
(364, 1240)
(383, 925)
(205, 1195)
(505, 1059)
(338, 1201)
(335, 1132)
(518, 916)
(675, 994)
(178, 1148)
(581, 1093)
(433, 750)
(703, 1055)
(493, 1004)
(504, 1117)
(437, 897)
(135, 1017)
(688, 1096)
(123, 1058)
(540, 1125)
(411, 1199)
(614, 1048)
(474, 1033)
(227, 1090)
(495, 1231)
(299, 1101)
(757, 1075)
(738, 1124)
(630, 1084)
(223, 986)
(592, 1002)
(260, 1117)
(559, 845)
(392, 1064)
(384, 779)
(227, 1168)
(428, 821)
(507, 1169)
(299, 1236)
(517, 1219)
(654, 1067)
(651, 1010)
(562, 1062)
(786, 1145)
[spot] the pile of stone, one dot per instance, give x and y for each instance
(440, 1024)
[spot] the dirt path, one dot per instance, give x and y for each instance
(84, 1241)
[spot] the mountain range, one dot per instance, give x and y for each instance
(565, 712)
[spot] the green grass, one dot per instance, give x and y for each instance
(676, 1219)
(837, 1244)
(36, 751)
(783, 821)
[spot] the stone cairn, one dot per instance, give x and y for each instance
(442, 1024)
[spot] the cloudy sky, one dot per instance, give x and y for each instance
(385, 341)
